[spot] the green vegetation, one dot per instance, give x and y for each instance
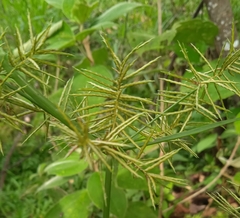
(93, 124)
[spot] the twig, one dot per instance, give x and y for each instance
(223, 170)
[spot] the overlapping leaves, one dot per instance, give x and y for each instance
(120, 125)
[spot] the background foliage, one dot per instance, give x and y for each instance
(107, 89)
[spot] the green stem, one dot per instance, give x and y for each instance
(108, 187)
(37, 98)
(185, 133)
(42, 102)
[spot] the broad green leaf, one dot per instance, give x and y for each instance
(83, 34)
(206, 142)
(167, 36)
(191, 52)
(117, 11)
(118, 201)
(53, 182)
(81, 11)
(100, 57)
(62, 39)
(40, 169)
(126, 180)
(237, 124)
(139, 210)
(55, 3)
(66, 167)
(74, 205)
(56, 194)
(236, 178)
(55, 96)
(195, 30)
(67, 7)
(228, 133)
(95, 189)
(135, 38)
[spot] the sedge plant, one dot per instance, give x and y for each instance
(120, 127)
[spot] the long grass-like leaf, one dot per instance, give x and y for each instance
(42, 102)
(190, 132)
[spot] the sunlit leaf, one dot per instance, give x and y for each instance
(95, 189)
(63, 38)
(236, 178)
(206, 142)
(53, 182)
(126, 180)
(81, 11)
(66, 167)
(140, 210)
(55, 3)
(67, 7)
(74, 205)
(83, 34)
(117, 11)
(237, 124)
